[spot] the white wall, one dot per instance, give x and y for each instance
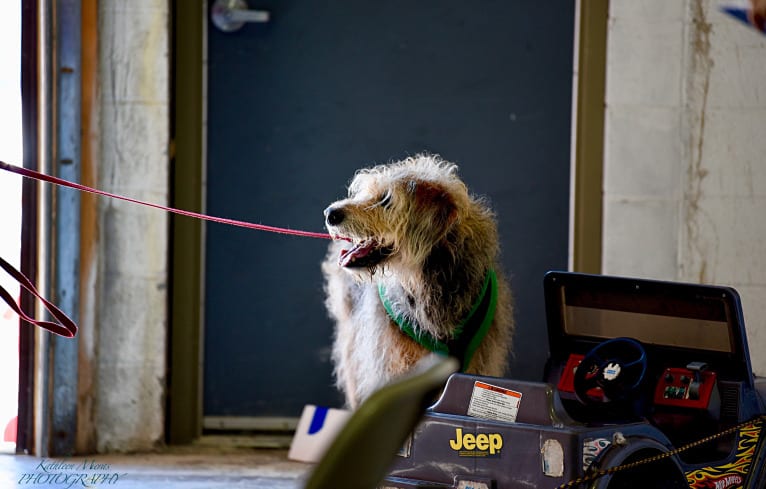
(685, 151)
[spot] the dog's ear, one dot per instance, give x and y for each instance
(434, 201)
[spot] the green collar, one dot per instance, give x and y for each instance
(467, 336)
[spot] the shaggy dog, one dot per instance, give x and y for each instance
(413, 269)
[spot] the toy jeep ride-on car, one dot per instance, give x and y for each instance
(648, 384)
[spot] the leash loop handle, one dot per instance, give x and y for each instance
(63, 327)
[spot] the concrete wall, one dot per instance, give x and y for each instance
(124, 324)
(684, 154)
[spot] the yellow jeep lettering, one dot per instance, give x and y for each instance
(482, 442)
(495, 443)
(457, 443)
(468, 441)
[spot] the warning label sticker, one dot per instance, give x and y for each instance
(493, 402)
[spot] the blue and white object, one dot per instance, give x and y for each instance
(739, 11)
(317, 428)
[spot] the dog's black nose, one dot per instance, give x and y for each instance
(334, 215)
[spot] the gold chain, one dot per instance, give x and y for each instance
(601, 473)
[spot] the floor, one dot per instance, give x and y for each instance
(186, 468)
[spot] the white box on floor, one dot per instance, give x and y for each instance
(317, 428)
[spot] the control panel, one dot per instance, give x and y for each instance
(690, 387)
(566, 382)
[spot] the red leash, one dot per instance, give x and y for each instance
(65, 326)
(65, 183)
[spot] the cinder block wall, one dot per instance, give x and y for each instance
(124, 324)
(685, 151)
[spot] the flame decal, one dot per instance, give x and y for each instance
(592, 448)
(733, 474)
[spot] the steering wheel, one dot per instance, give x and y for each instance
(616, 366)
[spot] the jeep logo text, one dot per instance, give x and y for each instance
(490, 443)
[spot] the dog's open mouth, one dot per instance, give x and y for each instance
(365, 254)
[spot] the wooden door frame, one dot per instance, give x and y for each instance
(30, 106)
(585, 234)
(184, 394)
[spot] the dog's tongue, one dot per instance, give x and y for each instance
(356, 252)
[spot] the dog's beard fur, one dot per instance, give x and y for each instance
(413, 227)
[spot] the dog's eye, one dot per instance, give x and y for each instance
(385, 201)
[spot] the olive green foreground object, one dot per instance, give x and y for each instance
(361, 454)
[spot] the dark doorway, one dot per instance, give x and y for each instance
(297, 104)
